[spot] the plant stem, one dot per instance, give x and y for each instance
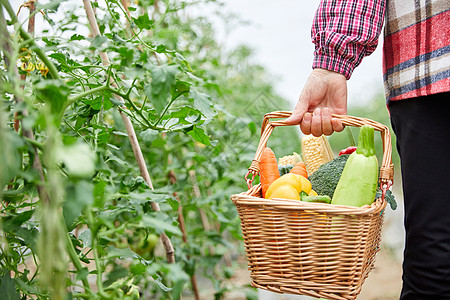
(76, 262)
(34, 143)
(98, 264)
(86, 93)
(167, 107)
(350, 136)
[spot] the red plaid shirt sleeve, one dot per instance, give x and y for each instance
(344, 31)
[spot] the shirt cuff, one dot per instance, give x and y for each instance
(333, 64)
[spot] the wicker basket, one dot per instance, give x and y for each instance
(313, 249)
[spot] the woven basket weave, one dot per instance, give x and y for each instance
(313, 249)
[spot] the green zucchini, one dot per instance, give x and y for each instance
(358, 183)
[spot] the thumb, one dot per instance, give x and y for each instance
(299, 110)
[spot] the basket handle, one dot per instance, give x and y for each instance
(386, 170)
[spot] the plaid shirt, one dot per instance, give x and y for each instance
(416, 46)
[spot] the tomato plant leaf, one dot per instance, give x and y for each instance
(12, 222)
(8, 288)
(86, 238)
(10, 158)
(163, 78)
(54, 92)
(202, 103)
(123, 253)
(97, 42)
(82, 274)
(52, 5)
(79, 196)
(143, 21)
(198, 134)
(138, 269)
(77, 37)
(159, 225)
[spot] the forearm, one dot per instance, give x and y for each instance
(344, 31)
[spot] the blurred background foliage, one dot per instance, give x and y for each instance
(197, 110)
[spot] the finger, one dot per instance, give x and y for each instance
(299, 110)
(305, 125)
(337, 125)
(316, 123)
(297, 114)
(327, 127)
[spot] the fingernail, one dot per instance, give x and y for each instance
(316, 112)
(326, 112)
(307, 117)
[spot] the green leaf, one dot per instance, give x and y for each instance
(138, 269)
(163, 79)
(54, 92)
(77, 37)
(390, 198)
(181, 87)
(143, 21)
(159, 225)
(178, 276)
(8, 288)
(61, 58)
(99, 193)
(199, 135)
(51, 5)
(120, 253)
(82, 274)
(202, 103)
(86, 238)
(12, 222)
(79, 196)
(161, 48)
(97, 42)
(95, 103)
(10, 157)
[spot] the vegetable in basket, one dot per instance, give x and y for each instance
(292, 164)
(315, 152)
(268, 169)
(285, 186)
(326, 178)
(292, 159)
(358, 183)
(348, 150)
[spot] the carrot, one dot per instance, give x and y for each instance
(299, 169)
(268, 169)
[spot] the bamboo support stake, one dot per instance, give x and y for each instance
(173, 180)
(197, 194)
(131, 133)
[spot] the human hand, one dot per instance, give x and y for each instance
(324, 93)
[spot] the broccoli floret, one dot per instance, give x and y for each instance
(325, 179)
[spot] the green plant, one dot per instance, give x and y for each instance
(134, 132)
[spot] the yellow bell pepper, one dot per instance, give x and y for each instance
(288, 186)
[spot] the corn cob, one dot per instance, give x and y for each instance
(315, 152)
(289, 159)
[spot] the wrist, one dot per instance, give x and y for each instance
(326, 72)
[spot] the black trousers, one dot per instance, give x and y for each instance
(422, 128)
